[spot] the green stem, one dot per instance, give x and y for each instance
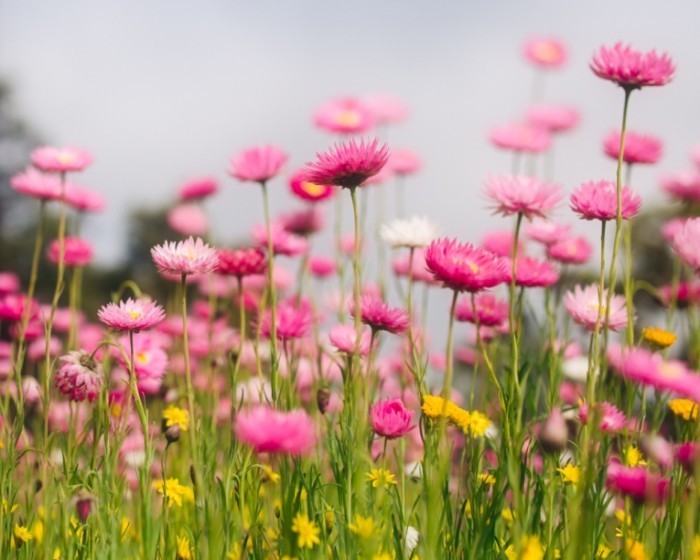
(274, 362)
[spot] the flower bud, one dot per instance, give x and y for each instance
(172, 434)
(323, 398)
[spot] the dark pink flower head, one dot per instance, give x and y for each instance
(270, 431)
(390, 418)
(293, 321)
(684, 186)
(283, 242)
(610, 419)
(322, 267)
(638, 483)
(191, 256)
(76, 252)
(532, 273)
(348, 164)
(545, 52)
(36, 184)
(80, 377)
(188, 219)
(546, 232)
(686, 243)
(684, 294)
(9, 282)
(554, 118)
(404, 162)
(639, 148)
(386, 108)
(597, 200)
(380, 317)
(304, 222)
(48, 158)
(131, 315)
(344, 338)
(632, 69)
(14, 306)
(345, 115)
(310, 192)
(521, 195)
(583, 305)
(241, 262)
(572, 250)
(463, 267)
(490, 311)
(197, 189)
(521, 137)
(258, 164)
(688, 455)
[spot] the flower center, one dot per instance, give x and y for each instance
(65, 157)
(312, 189)
(546, 51)
(135, 314)
(670, 370)
(141, 357)
(349, 118)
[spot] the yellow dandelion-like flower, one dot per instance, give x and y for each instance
(22, 533)
(184, 548)
(508, 515)
(174, 416)
(603, 551)
(38, 530)
(478, 423)
(684, 408)
(633, 457)
(307, 531)
(696, 547)
(570, 474)
(363, 527)
(635, 550)
(56, 554)
(174, 491)
(434, 406)
(460, 417)
(487, 479)
(380, 478)
(235, 553)
(270, 475)
(531, 549)
(658, 338)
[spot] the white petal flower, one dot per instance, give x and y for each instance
(411, 540)
(412, 232)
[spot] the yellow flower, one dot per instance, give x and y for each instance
(22, 533)
(696, 547)
(532, 549)
(5, 507)
(270, 475)
(686, 409)
(570, 474)
(363, 526)
(174, 416)
(380, 477)
(658, 338)
(633, 457)
(382, 556)
(184, 548)
(307, 530)
(434, 406)
(235, 553)
(508, 514)
(459, 416)
(487, 478)
(174, 491)
(635, 550)
(478, 423)
(603, 551)
(127, 530)
(38, 530)
(56, 554)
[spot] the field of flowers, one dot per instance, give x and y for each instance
(252, 413)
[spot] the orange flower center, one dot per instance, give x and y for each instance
(312, 189)
(546, 52)
(348, 118)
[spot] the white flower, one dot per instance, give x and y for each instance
(414, 470)
(412, 232)
(576, 368)
(411, 539)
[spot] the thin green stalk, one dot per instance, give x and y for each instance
(274, 362)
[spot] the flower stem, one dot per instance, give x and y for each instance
(274, 363)
(449, 360)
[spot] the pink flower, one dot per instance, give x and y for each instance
(14, 306)
(520, 138)
(241, 262)
(150, 362)
(322, 267)
(311, 192)
(684, 294)
(48, 158)
(672, 227)
(80, 377)
(37, 184)
(188, 219)
(683, 186)
(553, 118)
(345, 115)
(84, 200)
(197, 189)
(611, 420)
(501, 243)
(184, 257)
(345, 340)
(463, 267)
(283, 242)
(686, 243)
(269, 431)
(574, 250)
(490, 311)
(597, 200)
(582, 304)
(293, 321)
(390, 418)
(532, 273)
(380, 317)
(420, 272)
(546, 232)
(639, 148)
(545, 52)
(347, 165)
(387, 109)
(688, 455)
(258, 164)
(521, 195)
(76, 252)
(131, 315)
(639, 483)
(404, 162)
(632, 69)
(304, 222)
(9, 282)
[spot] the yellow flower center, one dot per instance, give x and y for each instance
(348, 118)
(312, 189)
(66, 157)
(135, 314)
(546, 52)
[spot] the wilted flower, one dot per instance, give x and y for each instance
(80, 377)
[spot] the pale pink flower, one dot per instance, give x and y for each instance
(241, 262)
(597, 200)
(348, 164)
(639, 148)
(686, 243)
(573, 250)
(463, 267)
(76, 252)
(150, 362)
(532, 273)
(380, 317)
(684, 186)
(632, 69)
(554, 118)
(670, 228)
(545, 52)
(269, 431)
(610, 419)
(48, 158)
(386, 108)
(345, 339)
(344, 115)
(582, 304)
(293, 321)
(521, 195)
(84, 200)
(80, 377)
(258, 164)
(546, 232)
(197, 189)
(501, 242)
(490, 311)
(310, 192)
(283, 242)
(31, 389)
(638, 483)
(188, 219)
(520, 137)
(188, 257)
(9, 282)
(404, 162)
(390, 418)
(31, 182)
(131, 315)
(37, 349)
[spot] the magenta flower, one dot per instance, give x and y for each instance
(521, 195)
(322, 267)
(521, 137)
(582, 304)
(345, 339)
(197, 189)
(283, 242)
(610, 421)
(638, 483)
(14, 306)
(347, 165)
(37, 184)
(380, 317)
(574, 250)
(269, 431)
(463, 267)
(404, 162)
(131, 315)
(84, 200)
(490, 311)
(80, 377)
(293, 322)
(686, 243)
(345, 115)
(310, 192)
(241, 262)
(688, 455)
(258, 164)
(390, 418)
(502, 243)
(188, 219)
(684, 186)
(553, 118)
(597, 200)
(639, 148)
(76, 252)
(48, 158)
(632, 69)
(684, 294)
(545, 52)
(303, 222)
(546, 232)
(532, 273)
(191, 256)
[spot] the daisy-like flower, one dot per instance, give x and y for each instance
(546, 232)
(347, 165)
(554, 118)
(380, 317)
(490, 311)
(80, 377)
(84, 200)
(573, 250)
(310, 192)
(570, 474)
(658, 339)
(76, 252)
(188, 219)
(303, 222)
(283, 242)
(413, 232)
(639, 148)
(198, 189)
(48, 158)
(175, 416)
(380, 478)
(684, 408)
(684, 186)
(22, 534)
(344, 339)
(582, 304)
(174, 492)
(597, 200)
(345, 115)
(270, 431)
(184, 548)
(419, 272)
(241, 262)
(258, 164)
(363, 527)
(532, 273)
(293, 321)
(521, 195)
(463, 267)
(610, 420)
(131, 315)
(638, 483)
(545, 52)
(632, 69)
(521, 137)
(184, 257)
(31, 182)
(686, 243)
(307, 531)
